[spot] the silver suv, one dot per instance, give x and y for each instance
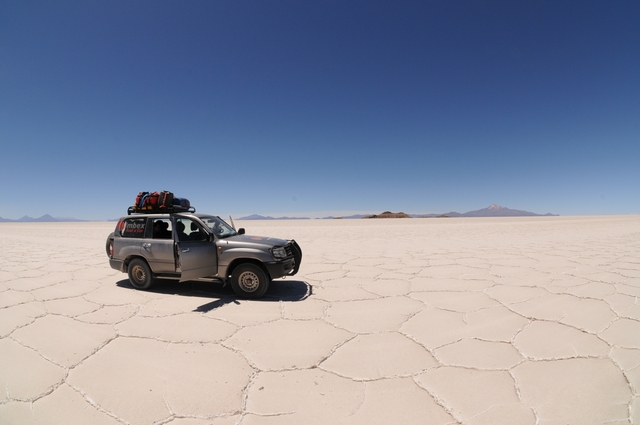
(188, 246)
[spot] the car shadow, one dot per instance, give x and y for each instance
(279, 290)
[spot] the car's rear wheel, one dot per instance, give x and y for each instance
(249, 281)
(140, 274)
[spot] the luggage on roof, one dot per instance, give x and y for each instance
(159, 202)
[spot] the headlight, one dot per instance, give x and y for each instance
(279, 252)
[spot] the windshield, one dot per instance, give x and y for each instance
(218, 226)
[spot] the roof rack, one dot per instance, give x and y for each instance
(170, 210)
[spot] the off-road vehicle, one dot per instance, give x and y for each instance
(188, 246)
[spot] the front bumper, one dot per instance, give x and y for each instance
(288, 267)
(280, 268)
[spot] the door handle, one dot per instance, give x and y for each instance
(146, 245)
(185, 250)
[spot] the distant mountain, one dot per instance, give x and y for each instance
(498, 211)
(491, 211)
(389, 214)
(44, 219)
(255, 217)
(449, 214)
(347, 216)
(262, 217)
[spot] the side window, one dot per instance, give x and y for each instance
(132, 227)
(161, 228)
(189, 230)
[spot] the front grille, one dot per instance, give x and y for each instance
(289, 250)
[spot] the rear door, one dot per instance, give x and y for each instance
(196, 255)
(158, 246)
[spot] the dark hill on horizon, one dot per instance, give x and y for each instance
(389, 214)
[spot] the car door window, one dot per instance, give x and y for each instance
(188, 230)
(161, 228)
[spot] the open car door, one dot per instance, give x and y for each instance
(196, 253)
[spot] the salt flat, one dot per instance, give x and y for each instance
(413, 321)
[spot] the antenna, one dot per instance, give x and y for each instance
(232, 225)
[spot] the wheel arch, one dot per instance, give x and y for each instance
(239, 261)
(130, 258)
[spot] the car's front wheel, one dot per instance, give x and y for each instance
(249, 281)
(140, 274)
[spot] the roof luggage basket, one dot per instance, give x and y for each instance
(171, 210)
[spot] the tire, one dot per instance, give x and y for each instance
(249, 281)
(140, 274)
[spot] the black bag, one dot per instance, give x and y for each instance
(166, 200)
(182, 202)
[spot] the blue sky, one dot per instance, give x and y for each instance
(315, 108)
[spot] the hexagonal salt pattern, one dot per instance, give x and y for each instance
(413, 321)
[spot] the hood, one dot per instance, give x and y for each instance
(249, 240)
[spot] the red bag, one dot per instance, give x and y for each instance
(140, 199)
(151, 201)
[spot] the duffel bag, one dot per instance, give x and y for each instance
(140, 199)
(151, 201)
(182, 202)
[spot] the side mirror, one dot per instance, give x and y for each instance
(241, 231)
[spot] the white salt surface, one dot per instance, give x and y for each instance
(412, 321)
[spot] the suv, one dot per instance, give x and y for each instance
(188, 246)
